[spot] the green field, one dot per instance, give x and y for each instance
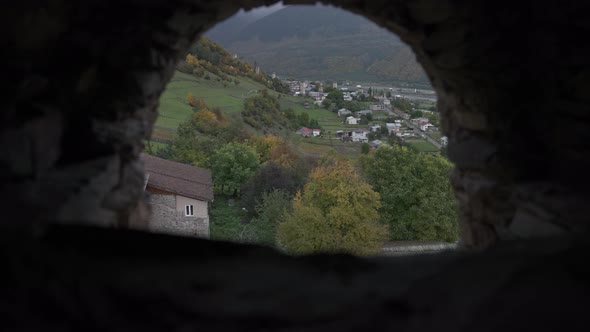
(318, 146)
(435, 135)
(422, 145)
(174, 108)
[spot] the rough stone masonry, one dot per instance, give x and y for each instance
(84, 81)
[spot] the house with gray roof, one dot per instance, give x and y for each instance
(179, 197)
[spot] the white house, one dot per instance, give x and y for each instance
(393, 128)
(316, 132)
(377, 107)
(418, 121)
(375, 128)
(425, 125)
(444, 141)
(351, 120)
(360, 135)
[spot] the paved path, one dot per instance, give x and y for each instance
(420, 133)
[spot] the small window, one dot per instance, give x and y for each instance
(188, 210)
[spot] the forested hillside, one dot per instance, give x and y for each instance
(320, 42)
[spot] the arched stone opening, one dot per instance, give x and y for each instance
(85, 81)
(76, 115)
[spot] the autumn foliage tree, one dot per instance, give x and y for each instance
(191, 99)
(335, 212)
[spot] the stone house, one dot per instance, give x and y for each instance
(179, 197)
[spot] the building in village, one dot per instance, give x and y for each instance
(344, 111)
(351, 120)
(393, 128)
(360, 135)
(375, 144)
(424, 126)
(179, 197)
(364, 112)
(375, 128)
(377, 107)
(304, 131)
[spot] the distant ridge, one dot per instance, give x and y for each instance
(319, 42)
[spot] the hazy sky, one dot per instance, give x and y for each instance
(259, 12)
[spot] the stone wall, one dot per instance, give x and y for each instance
(84, 279)
(84, 82)
(165, 218)
(511, 80)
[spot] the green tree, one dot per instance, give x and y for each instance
(233, 165)
(417, 201)
(227, 223)
(270, 211)
(416, 114)
(434, 118)
(190, 146)
(336, 212)
(365, 148)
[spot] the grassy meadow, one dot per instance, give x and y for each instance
(422, 145)
(174, 108)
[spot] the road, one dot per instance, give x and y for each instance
(420, 133)
(412, 94)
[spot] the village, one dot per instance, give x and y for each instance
(381, 120)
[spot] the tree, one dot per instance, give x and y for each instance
(200, 105)
(336, 212)
(190, 146)
(206, 122)
(226, 223)
(264, 145)
(434, 118)
(191, 100)
(416, 114)
(365, 148)
(192, 60)
(417, 201)
(270, 210)
(232, 166)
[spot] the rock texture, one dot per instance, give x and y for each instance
(86, 78)
(84, 81)
(74, 279)
(166, 219)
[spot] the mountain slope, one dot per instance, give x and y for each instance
(320, 42)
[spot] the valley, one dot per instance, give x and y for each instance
(269, 141)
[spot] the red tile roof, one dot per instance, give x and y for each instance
(181, 179)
